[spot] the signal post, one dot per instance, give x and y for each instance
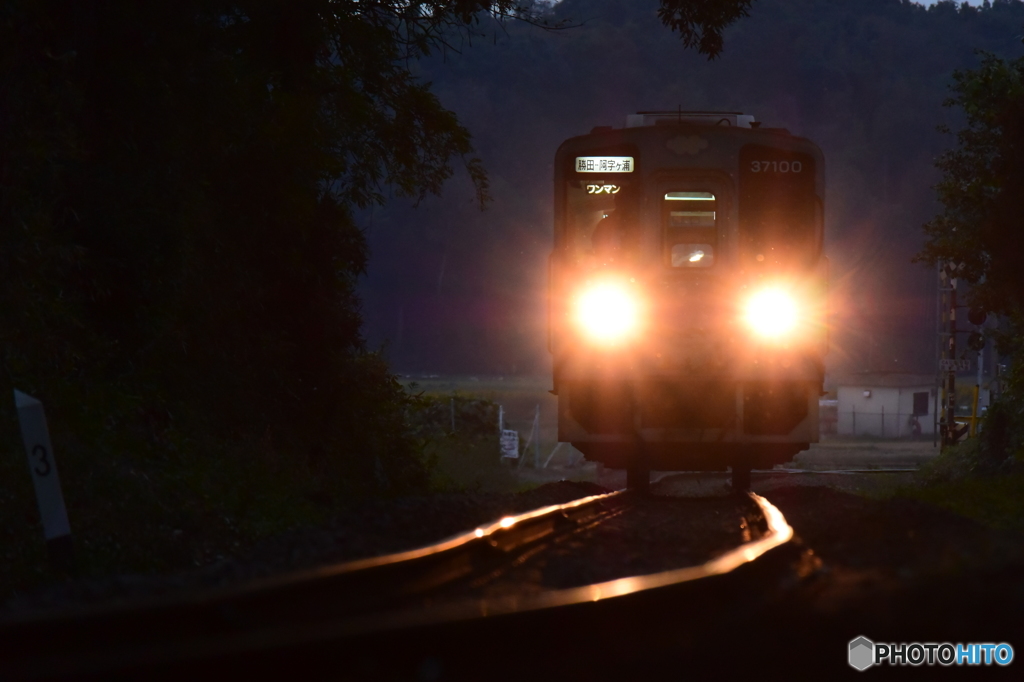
(949, 435)
(949, 363)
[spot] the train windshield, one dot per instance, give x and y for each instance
(602, 218)
(689, 220)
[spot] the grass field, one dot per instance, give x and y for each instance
(994, 501)
(519, 397)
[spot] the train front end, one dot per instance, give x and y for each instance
(688, 292)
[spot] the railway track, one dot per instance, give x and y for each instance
(428, 608)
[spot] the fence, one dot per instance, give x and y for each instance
(883, 424)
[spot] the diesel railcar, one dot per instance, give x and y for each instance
(688, 294)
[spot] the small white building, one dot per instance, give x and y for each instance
(885, 404)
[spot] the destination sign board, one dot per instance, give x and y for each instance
(605, 164)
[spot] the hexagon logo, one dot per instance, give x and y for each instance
(862, 653)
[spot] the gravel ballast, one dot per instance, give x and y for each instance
(891, 569)
(368, 529)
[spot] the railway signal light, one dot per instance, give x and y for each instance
(976, 316)
(976, 342)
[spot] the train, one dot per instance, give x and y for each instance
(688, 294)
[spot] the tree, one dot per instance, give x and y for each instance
(700, 24)
(177, 180)
(982, 198)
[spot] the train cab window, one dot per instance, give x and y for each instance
(690, 229)
(602, 218)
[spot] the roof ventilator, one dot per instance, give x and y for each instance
(704, 118)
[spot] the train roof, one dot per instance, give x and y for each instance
(646, 127)
(712, 118)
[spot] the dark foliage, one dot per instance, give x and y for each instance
(177, 181)
(982, 198)
(176, 195)
(434, 417)
(701, 24)
(982, 188)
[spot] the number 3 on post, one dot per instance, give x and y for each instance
(40, 454)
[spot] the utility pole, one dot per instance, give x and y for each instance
(940, 320)
(950, 435)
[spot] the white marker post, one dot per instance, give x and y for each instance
(510, 443)
(36, 437)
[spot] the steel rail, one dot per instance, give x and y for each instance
(251, 622)
(81, 638)
(785, 472)
(843, 472)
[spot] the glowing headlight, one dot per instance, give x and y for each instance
(608, 312)
(771, 313)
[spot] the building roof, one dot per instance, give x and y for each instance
(882, 379)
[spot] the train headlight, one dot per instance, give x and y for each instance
(608, 312)
(771, 313)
